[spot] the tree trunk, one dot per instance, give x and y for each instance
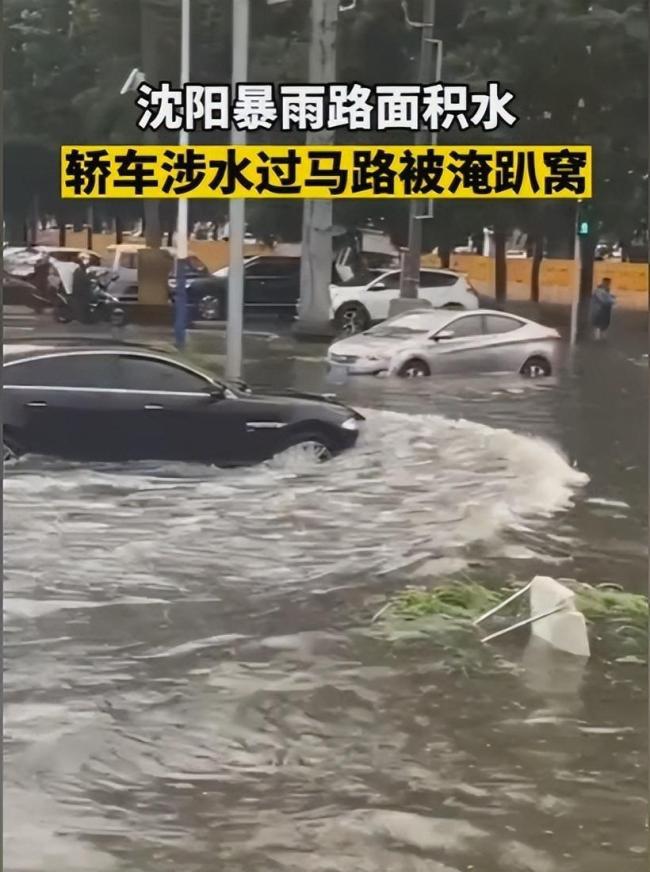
(317, 255)
(500, 268)
(444, 253)
(89, 228)
(118, 230)
(538, 256)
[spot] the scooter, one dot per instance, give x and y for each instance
(102, 307)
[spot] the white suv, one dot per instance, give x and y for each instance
(356, 306)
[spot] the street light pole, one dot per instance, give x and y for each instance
(410, 276)
(237, 219)
(180, 297)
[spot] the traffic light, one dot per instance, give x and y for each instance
(586, 223)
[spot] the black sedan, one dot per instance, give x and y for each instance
(271, 288)
(120, 403)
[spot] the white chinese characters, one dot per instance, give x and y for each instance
(261, 107)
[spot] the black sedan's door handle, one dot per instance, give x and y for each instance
(36, 404)
(153, 407)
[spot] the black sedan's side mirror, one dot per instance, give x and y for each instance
(215, 393)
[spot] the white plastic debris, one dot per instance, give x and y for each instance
(553, 616)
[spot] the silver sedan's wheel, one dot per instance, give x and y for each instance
(536, 367)
(209, 308)
(414, 369)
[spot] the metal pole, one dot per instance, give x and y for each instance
(410, 277)
(180, 298)
(576, 268)
(237, 221)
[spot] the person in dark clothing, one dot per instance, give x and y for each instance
(602, 303)
(41, 280)
(81, 293)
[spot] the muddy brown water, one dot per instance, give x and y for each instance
(192, 682)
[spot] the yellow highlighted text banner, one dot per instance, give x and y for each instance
(504, 172)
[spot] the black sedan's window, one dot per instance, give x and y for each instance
(150, 374)
(69, 371)
(273, 267)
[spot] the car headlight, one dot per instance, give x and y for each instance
(350, 424)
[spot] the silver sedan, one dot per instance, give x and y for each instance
(424, 342)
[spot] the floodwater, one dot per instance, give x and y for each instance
(192, 681)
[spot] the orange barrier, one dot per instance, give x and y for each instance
(557, 274)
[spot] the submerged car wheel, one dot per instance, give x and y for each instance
(352, 318)
(310, 449)
(9, 452)
(536, 367)
(210, 308)
(414, 369)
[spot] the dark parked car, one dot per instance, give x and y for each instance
(120, 403)
(271, 287)
(17, 291)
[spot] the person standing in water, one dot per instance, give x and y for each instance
(602, 303)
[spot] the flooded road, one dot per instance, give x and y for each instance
(192, 681)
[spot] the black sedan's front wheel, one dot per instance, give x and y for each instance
(308, 447)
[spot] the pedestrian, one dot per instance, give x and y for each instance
(602, 302)
(82, 290)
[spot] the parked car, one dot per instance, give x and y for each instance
(17, 291)
(271, 287)
(123, 402)
(21, 260)
(356, 306)
(124, 284)
(424, 342)
(20, 291)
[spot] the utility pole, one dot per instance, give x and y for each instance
(410, 276)
(180, 296)
(237, 218)
(316, 251)
(149, 51)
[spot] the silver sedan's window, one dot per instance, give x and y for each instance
(501, 324)
(471, 325)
